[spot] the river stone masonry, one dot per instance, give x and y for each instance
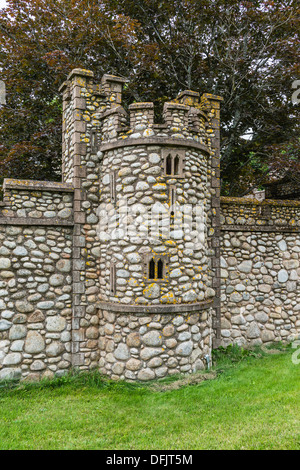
(133, 265)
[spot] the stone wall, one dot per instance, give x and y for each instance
(37, 200)
(150, 347)
(35, 301)
(260, 271)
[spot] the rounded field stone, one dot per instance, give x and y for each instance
(148, 353)
(253, 331)
(37, 365)
(45, 305)
(12, 359)
(20, 251)
(34, 343)
(283, 276)
(63, 265)
(55, 324)
(153, 338)
(65, 213)
(122, 352)
(56, 280)
(17, 332)
(152, 291)
(5, 263)
(55, 349)
(5, 325)
(133, 340)
(168, 330)
(185, 348)
(146, 374)
(155, 362)
(118, 368)
(245, 266)
(133, 364)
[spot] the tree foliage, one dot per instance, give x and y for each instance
(245, 51)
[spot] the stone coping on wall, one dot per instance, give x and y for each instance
(159, 308)
(54, 221)
(259, 228)
(37, 185)
(243, 214)
(267, 202)
(129, 142)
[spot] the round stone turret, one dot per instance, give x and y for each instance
(146, 195)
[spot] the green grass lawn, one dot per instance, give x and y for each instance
(252, 404)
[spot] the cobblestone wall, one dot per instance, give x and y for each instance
(147, 347)
(260, 271)
(35, 301)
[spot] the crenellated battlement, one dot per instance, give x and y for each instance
(94, 116)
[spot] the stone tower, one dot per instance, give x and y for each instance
(146, 228)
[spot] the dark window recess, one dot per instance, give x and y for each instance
(169, 165)
(265, 212)
(160, 269)
(173, 163)
(152, 269)
(176, 165)
(156, 269)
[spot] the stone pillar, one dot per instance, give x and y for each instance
(210, 104)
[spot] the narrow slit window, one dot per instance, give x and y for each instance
(112, 187)
(112, 278)
(69, 145)
(160, 225)
(160, 269)
(152, 269)
(172, 200)
(94, 141)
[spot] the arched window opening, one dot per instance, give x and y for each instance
(176, 165)
(169, 165)
(152, 269)
(174, 161)
(156, 267)
(160, 269)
